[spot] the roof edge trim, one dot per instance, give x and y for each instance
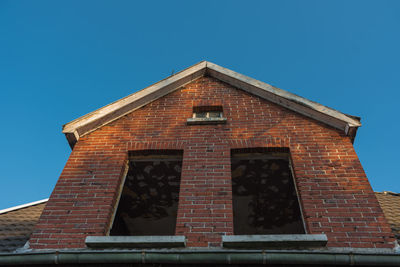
(24, 206)
(132, 98)
(102, 116)
(280, 93)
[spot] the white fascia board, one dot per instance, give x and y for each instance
(24, 206)
(279, 96)
(135, 100)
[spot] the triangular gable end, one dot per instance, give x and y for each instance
(98, 118)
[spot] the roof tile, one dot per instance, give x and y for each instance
(390, 203)
(17, 225)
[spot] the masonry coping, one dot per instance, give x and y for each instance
(274, 241)
(135, 241)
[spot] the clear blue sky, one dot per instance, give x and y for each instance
(62, 59)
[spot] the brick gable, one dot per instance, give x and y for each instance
(335, 195)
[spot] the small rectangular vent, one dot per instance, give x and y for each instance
(207, 115)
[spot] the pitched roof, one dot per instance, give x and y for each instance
(91, 121)
(390, 204)
(17, 223)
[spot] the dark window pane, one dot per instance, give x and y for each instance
(149, 200)
(215, 114)
(201, 114)
(264, 196)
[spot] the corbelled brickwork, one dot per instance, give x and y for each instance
(335, 195)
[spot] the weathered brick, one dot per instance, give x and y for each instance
(335, 195)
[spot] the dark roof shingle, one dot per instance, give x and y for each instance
(17, 225)
(390, 203)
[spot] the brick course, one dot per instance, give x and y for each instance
(335, 195)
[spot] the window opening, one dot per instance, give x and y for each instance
(207, 112)
(207, 115)
(149, 198)
(264, 194)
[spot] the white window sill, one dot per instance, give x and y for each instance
(274, 241)
(135, 241)
(194, 121)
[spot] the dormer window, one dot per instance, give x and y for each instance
(207, 115)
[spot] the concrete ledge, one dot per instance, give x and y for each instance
(274, 241)
(194, 121)
(135, 241)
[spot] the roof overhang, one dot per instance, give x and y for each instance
(102, 116)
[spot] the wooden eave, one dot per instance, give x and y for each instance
(102, 116)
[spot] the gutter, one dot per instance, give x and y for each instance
(200, 257)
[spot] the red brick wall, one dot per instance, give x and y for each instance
(336, 197)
